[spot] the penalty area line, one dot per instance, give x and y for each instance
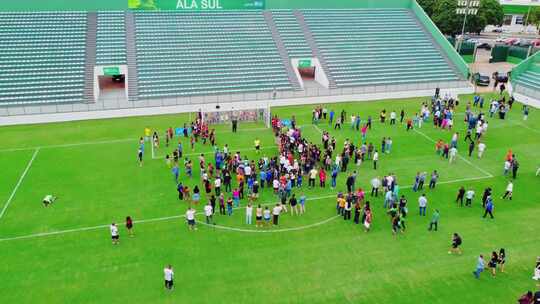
(19, 182)
(160, 219)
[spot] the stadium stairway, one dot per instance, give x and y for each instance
(528, 82)
(91, 37)
(315, 48)
(131, 57)
(283, 52)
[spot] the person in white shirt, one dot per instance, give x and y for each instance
(217, 185)
(452, 155)
(392, 118)
(208, 212)
(49, 199)
(312, 176)
(375, 159)
(469, 195)
(190, 216)
(422, 204)
(375, 185)
(169, 275)
(509, 189)
(275, 214)
(249, 213)
(115, 236)
(481, 149)
(507, 165)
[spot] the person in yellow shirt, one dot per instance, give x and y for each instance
(257, 143)
(340, 204)
(147, 133)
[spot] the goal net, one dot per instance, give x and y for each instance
(260, 115)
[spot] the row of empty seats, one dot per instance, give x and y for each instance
(202, 53)
(111, 38)
(42, 57)
(530, 78)
(376, 47)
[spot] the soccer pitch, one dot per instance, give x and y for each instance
(63, 253)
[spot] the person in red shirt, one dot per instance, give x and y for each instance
(322, 178)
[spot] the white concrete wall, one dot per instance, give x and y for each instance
(225, 106)
(98, 71)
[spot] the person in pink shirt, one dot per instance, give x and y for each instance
(322, 178)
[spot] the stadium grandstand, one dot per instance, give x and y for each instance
(526, 80)
(184, 55)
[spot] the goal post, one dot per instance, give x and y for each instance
(225, 116)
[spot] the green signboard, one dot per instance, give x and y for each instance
(111, 71)
(196, 5)
(304, 63)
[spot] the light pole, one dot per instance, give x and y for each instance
(465, 7)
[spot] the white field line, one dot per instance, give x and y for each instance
(317, 128)
(461, 157)
(230, 150)
(525, 126)
(101, 142)
(160, 219)
(273, 230)
(6, 205)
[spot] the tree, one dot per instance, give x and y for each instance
(428, 6)
(449, 22)
(534, 17)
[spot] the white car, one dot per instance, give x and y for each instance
(472, 40)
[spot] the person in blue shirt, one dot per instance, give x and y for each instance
(489, 208)
(479, 267)
(302, 202)
(334, 176)
(180, 149)
(176, 173)
(180, 189)
(262, 175)
(357, 122)
(299, 181)
(331, 117)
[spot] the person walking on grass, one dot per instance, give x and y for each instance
(129, 225)
(249, 213)
(115, 236)
(526, 298)
(375, 185)
(479, 267)
(208, 212)
(275, 214)
(469, 195)
(190, 217)
(375, 159)
(509, 189)
(452, 154)
(422, 204)
(302, 203)
(169, 276)
(456, 242)
(489, 208)
(433, 179)
(493, 263)
(294, 205)
(502, 259)
(481, 149)
(460, 195)
(266, 216)
(229, 206)
(259, 216)
(434, 223)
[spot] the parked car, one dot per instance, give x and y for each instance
(511, 41)
(523, 43)
(472, 40)
(500, 39)
(535, 43)
(497, 30)
(484, 45)
(481, 80)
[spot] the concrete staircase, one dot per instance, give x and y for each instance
(282, 50)
(90, 62)
(314, 48)
(131, 57)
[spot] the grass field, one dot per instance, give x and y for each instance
(63, 254)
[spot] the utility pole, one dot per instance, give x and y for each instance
(466, 8)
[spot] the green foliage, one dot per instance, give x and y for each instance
(534, 16)
(428, 6)
(444, 15)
